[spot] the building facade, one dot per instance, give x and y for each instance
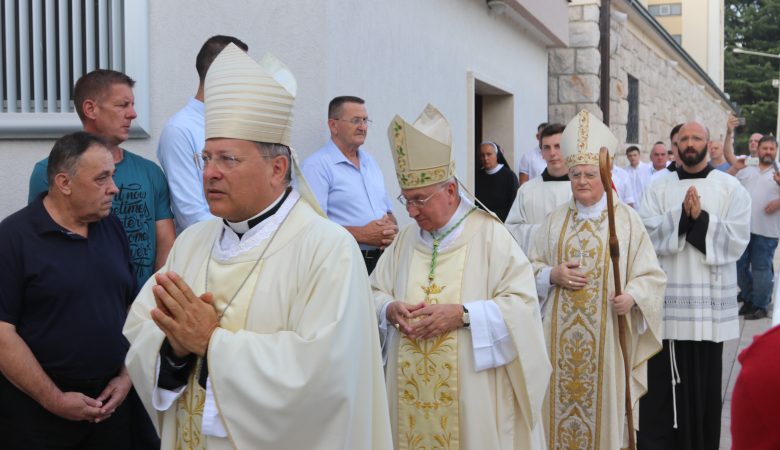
(654, 83)
(698, 26)
(483, 64)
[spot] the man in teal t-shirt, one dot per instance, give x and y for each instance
(105, 104)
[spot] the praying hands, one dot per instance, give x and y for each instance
(692, 203)
(186, 319)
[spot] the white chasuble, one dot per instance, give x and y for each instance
(428, 369)
(228, 280)
(496, 408)
(585, 405)
(295, 363)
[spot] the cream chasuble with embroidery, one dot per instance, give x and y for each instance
(585, 405)
(437, 398)
(295, 363)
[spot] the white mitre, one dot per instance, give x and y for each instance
(249, 100)
(422, 151)
(583, 138)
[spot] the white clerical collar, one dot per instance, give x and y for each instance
(593, 211)
(230, 246)
(243, 226)
(463, 208)
(494, 169)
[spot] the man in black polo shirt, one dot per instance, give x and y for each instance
(65, 285)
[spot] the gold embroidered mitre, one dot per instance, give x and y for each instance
(582, 139)
(422, 151)
(249, 100)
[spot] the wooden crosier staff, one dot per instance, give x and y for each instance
(605, 167)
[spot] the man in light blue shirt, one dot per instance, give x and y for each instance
(183, 137)
(348, 183)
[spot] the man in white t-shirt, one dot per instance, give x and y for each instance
(638, 172)
(532, 164)
(754, 268)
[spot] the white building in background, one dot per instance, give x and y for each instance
(698, 26)
(482, 63)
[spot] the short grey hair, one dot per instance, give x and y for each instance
(271, 151)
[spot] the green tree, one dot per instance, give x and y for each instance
(753, 25)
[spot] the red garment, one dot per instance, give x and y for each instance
(754, 421)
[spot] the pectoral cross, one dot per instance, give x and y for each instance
(433, 288)
(581, 255)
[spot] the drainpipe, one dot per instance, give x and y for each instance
(604, 29)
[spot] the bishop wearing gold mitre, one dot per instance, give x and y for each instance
(585, 403)
(457, 308)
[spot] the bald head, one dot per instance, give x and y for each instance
(698, 127)
(692, 142)
(755, 138)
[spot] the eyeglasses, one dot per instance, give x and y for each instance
(418, 203)
(588, 175)
(222, 162)
(357, 121)
(670, 152)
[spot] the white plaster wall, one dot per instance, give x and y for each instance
(397, 55)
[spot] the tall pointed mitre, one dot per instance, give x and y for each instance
(583, 137)
(254, 102)
(249, 100)
(422, 151)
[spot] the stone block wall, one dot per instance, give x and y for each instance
(667, 95)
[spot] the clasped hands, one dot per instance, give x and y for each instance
(76, 406)
(432, 320)
(381, 232)
(186, 319)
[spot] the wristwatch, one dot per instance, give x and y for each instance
(465, 317)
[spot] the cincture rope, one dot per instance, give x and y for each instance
(675, 379)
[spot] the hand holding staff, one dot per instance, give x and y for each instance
(605, 167)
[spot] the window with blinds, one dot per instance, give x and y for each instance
(46, 45)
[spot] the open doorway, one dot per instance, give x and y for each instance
(493, 120)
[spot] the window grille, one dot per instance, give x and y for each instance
(46, 45)
(51, 43)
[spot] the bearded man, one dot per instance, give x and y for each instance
(699, 221)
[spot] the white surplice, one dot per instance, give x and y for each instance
(701, 294)
(534, 201)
